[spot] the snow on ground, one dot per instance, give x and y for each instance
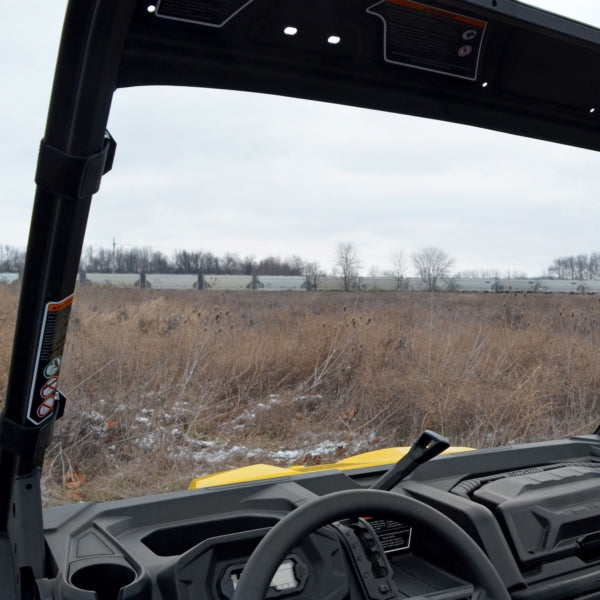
(155, 430)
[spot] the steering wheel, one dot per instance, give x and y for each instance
(273, 548)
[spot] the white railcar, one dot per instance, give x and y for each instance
(518, 285)
(472, 284)
(593, 287)
(387, 284)
(415, 284)
(112, 279)
(281, 282)
(172, 282)
(227, 282)
(8, 277)
(565, 286)
(330, 284)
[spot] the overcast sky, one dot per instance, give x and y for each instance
(256, 175)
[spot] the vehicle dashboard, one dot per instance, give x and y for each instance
(534, 509)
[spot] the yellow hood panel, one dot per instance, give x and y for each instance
(375, 458)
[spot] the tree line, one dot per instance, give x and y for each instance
(431, 264)
(147, 260)
(581, 266)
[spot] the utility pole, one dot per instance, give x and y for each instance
(113, 256)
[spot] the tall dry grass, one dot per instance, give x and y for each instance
(166, 386)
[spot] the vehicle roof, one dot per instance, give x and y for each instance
(534, 75)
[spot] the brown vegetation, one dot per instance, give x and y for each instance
(163, 387)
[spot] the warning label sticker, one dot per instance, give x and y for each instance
(44, 391)
(431, 39)
(393, 536)
(214, 13)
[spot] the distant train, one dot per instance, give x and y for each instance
(169, 281)
(8, 277)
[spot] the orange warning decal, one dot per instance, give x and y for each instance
(438, 12)
(55, 307)
(44, 394)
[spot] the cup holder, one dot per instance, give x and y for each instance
(106, 579)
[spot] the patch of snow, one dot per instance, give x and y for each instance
(95, 416)
(146, 441)
(288, 454)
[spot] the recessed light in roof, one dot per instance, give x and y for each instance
(484, 84)
(290, 30)
(593, 109)
(334, 39)
(151, 8)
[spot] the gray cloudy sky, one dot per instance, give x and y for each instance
(218, 171)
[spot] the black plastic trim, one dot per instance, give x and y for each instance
(73, 176)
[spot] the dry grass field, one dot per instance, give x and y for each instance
(163, 387)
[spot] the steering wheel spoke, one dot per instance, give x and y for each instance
(298, 524)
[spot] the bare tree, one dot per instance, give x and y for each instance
(129, 260)
(248, 265)
(594, 267)
(295, 265)
(581, 266)
(187, 261)
(231, 264)
(159, 263)
(432, 264)
(346, 259)
(313, 273)
(11, 259)
(398, 260)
